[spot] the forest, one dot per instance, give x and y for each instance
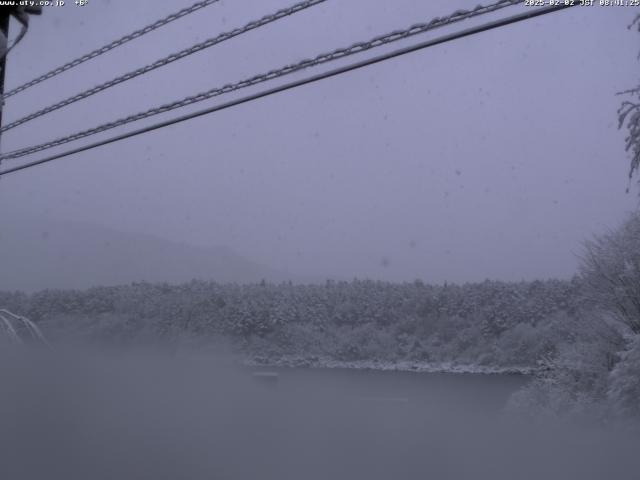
(492, 324)
(579, 337)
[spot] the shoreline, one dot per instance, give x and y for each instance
(386, 366)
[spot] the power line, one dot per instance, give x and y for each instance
(116, 43)
(288, 86)
(378, 41)
(267, 19)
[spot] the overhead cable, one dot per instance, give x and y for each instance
(267, 19)
(288, 86)
(337, 54)
(110, 46)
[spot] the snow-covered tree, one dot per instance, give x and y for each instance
(629, 116)
(624, 389)
(611, 271)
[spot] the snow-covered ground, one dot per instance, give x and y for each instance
(400, 366)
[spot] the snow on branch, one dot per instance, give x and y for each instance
(629, 115)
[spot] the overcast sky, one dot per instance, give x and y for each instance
(493, 156)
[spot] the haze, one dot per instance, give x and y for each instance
(488, 157)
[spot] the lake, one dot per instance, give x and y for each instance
(487, 394)
(154, 417)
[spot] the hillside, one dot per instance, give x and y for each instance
(39, 254)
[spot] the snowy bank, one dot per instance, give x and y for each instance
(399, 366)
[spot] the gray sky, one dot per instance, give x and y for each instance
(492, 156)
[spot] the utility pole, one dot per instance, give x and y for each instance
(21, 13)
(5, 15)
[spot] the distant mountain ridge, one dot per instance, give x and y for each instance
(38, 254)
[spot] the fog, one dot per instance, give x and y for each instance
(204, 300)
(148, 415)
(492, 156)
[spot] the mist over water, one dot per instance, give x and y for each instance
(426, 213)
(445, 165)
(84, 414)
